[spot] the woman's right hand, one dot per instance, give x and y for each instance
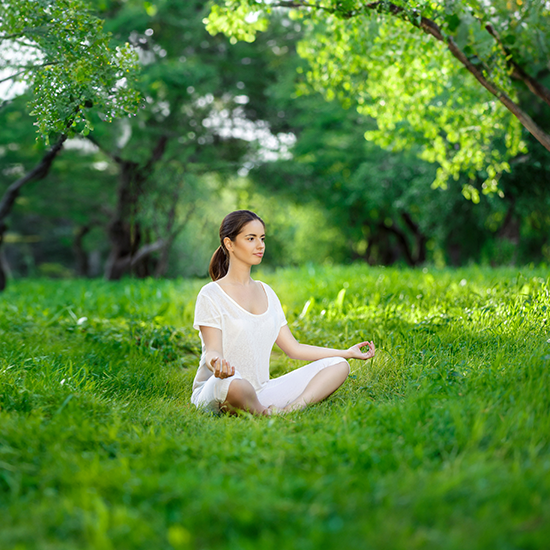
(356, 353)
(222, 368)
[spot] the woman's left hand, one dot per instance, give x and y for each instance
(356, 353)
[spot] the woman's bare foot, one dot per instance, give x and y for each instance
(271, 410)
(298, 405)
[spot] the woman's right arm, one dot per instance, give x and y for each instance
(212, 338)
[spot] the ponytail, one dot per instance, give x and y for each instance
(231, 226)
(219, 264)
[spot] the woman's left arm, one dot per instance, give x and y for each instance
(304, 352)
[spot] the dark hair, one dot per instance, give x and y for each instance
(231, 226)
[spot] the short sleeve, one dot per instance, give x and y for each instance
(282, 314)
(207, 313)
(278, 307)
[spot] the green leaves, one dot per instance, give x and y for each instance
(73, 67)
(237, 20)
(418, 101)
(375, 59)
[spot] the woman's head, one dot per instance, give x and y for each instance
(231, 226)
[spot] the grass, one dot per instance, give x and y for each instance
(443, 441)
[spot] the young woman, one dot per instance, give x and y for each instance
(240, 319)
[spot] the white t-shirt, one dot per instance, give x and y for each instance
(247, 339)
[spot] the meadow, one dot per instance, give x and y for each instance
(441, 441)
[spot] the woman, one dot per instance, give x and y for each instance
(240, 319)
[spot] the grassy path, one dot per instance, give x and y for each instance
(442, 442)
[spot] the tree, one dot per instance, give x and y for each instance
(381, 201)
(446, 77)
(59, 51)
(204, 108)
(65, 214)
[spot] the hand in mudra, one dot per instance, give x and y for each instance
(356, 353)
(222, 368)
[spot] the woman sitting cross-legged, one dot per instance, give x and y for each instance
(239, 321)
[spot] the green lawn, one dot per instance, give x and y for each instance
(443, 441)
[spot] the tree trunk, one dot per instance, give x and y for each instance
(401, 241)
(125, 233)
(420, 238)
(40, 171)
(414, 255)
(81, 258)
(162, 264)
(3, 270)
(510, 231)
(172, 230)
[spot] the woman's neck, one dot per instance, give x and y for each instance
(238, 274)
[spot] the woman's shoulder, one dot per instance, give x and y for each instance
(208, 289)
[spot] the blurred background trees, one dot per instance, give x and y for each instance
(228, 124)
(59, 53)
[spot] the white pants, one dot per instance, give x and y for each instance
(278, 392)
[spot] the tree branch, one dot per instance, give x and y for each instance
(146, 250)
(432, 28)
(26, 69)
(105, 151)
(157, 153)
(13, 76)
(542, 137)
(11, 36)
(38, 172)
(293, 4)
(518, 73)
(26, 31)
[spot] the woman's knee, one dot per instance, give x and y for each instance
(343, 368)
(240, 393)
(340, 372)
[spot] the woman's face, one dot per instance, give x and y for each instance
(249, 245)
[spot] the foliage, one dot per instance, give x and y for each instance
(297, 233)
(204, 116)
(77, 194)
(326, 193)
(441, 442)
(60, 50)
(381, 58)
(195, 86)
(196, 90)
(382, 205)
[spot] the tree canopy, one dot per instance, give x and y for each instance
(59, 50)
(447, 79)
(228, 124)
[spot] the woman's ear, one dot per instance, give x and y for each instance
(228, 244)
